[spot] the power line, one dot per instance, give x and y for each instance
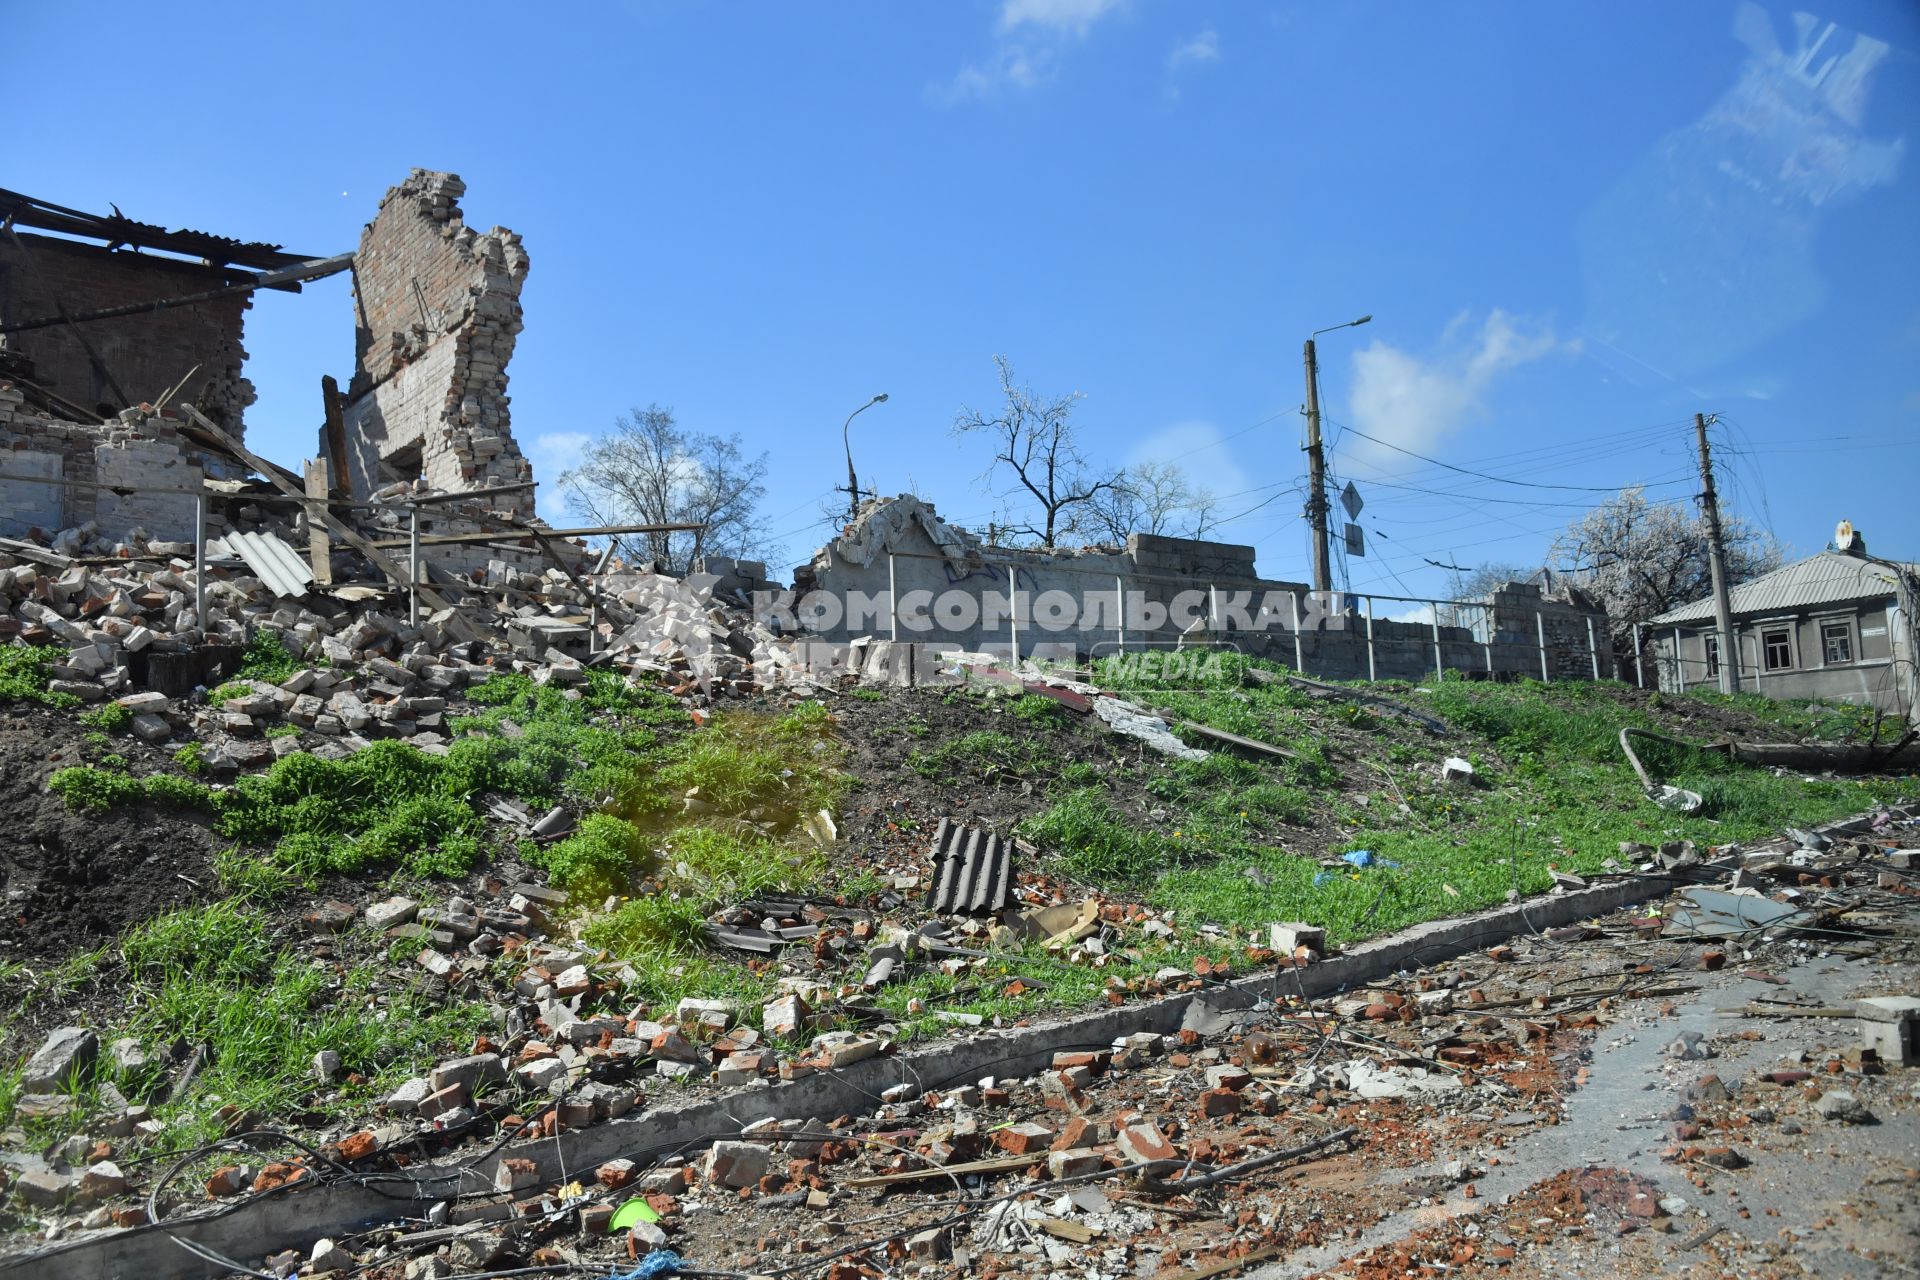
(1518, 502)
(1465, 471)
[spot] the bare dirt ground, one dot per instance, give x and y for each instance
(72, 881)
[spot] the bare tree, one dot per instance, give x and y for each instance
(1641, 558)
(1034, 438)
(651, 470)
(1477, 583)
(1154, 497)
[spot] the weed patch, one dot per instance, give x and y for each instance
(24, 675)
(982, 754)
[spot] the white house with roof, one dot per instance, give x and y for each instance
(1830, 626)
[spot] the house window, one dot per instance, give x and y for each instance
(1778, 646)
(1713, 656)
(1836, 643)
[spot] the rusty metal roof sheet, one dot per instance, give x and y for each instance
(281, 567)
(1823, 579)
(973, 871)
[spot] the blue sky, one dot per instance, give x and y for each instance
(1575, 225)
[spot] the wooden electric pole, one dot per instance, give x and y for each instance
(1717, 557)
(1316, 477)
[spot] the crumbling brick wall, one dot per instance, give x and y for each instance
(438, 310)
(131, 452)
(1573, 629)
(146, 353)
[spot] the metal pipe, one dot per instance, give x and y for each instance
(1299, 654)
(1486, 619)
(1013, 613)
(1639, 667)
(1593, 647)
(893, 608)
(1370, 671)
(1120, 610)
(1439, 661)
(1540, 626)
(200, 563)
(413, 567)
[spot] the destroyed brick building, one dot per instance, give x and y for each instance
(148, 354)
(418, 489)
(114, 334)
(101, 327)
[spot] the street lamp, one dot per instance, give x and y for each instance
(853, 485)
(1317, 463)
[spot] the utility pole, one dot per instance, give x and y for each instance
(1717, 556)
(1316, 477)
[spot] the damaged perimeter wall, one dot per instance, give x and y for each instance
(953, 589)
(437, 311)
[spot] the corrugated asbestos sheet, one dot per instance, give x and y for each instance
(282, 568)
(1826, 578)
(972, 871)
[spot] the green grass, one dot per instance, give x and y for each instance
(215, 974)
(1566, 800)
(1823, 721)
(108, 718)
(721, 811)
(267, 658)
(1098, 844)
(24, 675)
(983, 754)
(676, 820)
(1039, 711)
(1553, 791)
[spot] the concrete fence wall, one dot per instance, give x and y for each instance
(901, 574)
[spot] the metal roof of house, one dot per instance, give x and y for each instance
(1826, 578)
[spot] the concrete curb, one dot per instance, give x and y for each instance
(299, 1216)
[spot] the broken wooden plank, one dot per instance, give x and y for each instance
(319, 547)
(1789, 1011)
(1231, 1265)
(1235, 740)
(1067, 1229)
(334, 430)
(1315, 688)
(1002, 1164)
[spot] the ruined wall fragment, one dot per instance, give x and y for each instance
(146, 353)
(437, 308)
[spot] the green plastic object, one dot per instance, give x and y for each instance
(633, 1211)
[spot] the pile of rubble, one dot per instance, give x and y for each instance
(128, 623)
(1268, 1124)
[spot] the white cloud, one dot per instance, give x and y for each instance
(1416, 402)
(1010, 67)
(1203, 48)
(1198, 447)
(1072, 17)
(1029, 36)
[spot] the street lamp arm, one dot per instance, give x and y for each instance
(1348, 325)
